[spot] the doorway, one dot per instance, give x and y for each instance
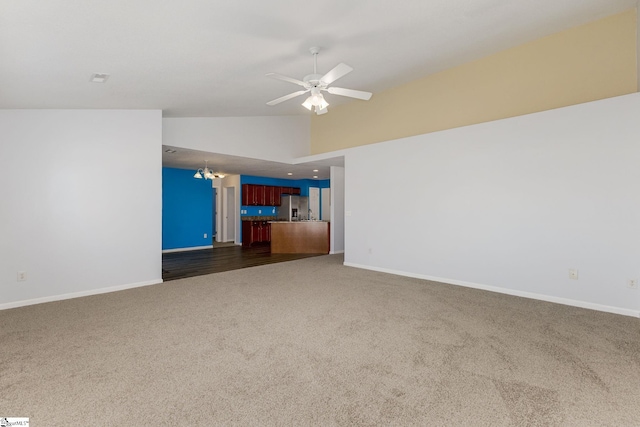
(325, 215)
(229, 214)
(214, 228)
(314, 203)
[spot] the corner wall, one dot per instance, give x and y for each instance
(586, 63)
(508, 206)
(81, 202)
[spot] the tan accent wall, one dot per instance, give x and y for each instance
(638, 43)
(586, 63)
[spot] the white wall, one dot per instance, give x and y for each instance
(336, 230)
(274, 138)
(509, 205)
(81, 202)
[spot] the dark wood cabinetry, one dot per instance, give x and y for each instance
(265, 232)
(255, 231)
(265, 195)
(269, 198)
(248, 195)
(260, 200)
(277, 194)
(254, 195)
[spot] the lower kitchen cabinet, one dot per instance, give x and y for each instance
(255, 231)
(265, 232)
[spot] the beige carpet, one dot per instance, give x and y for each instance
(312, 342)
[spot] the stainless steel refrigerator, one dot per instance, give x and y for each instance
(293, 208)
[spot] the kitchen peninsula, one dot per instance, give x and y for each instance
(299, 237)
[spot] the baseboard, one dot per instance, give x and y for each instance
(530, 295)
(192, 248)
(23, 303)
(336, 252)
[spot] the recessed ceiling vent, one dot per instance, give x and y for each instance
(99, 77)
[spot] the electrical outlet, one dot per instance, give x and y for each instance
(205, 235)
(573, 273)
(259, 211)
(22, 276)
(632, 283)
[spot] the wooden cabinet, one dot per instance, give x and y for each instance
(265, 195)
(245, 195)
(255, 231)
(259, 191)
(265, 232)
(294, 191)
(277, 196)
(269, 198)
(248, 194)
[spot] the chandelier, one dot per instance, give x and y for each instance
(207, 173)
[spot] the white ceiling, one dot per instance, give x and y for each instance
(202, 58)
(234, 165)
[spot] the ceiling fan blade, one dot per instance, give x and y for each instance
(337, 72)
(350, 93)
(286, 97)
(287, 79)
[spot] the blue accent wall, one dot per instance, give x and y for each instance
(187, 209)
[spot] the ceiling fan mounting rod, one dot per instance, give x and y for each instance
(314, 51)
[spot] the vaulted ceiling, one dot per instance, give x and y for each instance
(208, 58)
(195, 58)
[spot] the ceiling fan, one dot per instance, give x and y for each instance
(317, 83)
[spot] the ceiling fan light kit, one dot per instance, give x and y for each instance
(316, 83)
(315, 100)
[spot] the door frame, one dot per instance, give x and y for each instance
(229, 213)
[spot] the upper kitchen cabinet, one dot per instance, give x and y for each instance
(253, 195)
(265, 195)
(248, 195)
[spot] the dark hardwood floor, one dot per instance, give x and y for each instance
(178, 265)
